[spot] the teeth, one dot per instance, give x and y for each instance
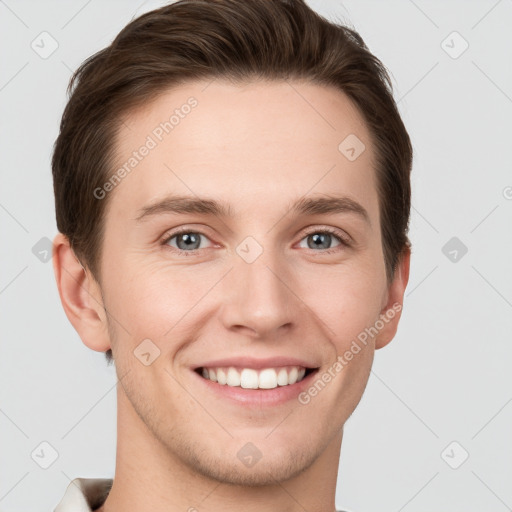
(233, 378)
(268, 379)
(221, 376)
(282, 377)
(249, 378)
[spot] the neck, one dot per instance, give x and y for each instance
(149, 476)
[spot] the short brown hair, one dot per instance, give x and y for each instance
(237, 40)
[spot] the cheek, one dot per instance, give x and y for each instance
(347, 306)
(151, 300)
(346, 299)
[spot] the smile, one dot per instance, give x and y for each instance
(250, 378)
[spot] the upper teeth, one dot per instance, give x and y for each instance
(266, 378)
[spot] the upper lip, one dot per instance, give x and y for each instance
(251, 362)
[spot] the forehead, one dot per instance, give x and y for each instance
(269, 142)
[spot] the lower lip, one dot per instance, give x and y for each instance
(258, 397)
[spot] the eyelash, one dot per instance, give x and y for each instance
(169, 236)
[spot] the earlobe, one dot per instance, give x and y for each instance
(392, 310)
(80, 296)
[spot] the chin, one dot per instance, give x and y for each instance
(268, 471)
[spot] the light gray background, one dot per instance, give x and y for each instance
(446, 376)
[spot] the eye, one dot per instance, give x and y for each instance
(187, 241)
(322, 239)
(184, 241)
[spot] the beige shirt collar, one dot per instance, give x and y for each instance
(84, 495)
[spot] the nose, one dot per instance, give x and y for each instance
(259, 298)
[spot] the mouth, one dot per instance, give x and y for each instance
(248, 381)
(255, 378)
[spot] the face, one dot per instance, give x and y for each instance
(274, 277)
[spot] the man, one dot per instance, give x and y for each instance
(232, 194)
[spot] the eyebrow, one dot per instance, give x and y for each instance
(210, 207)
(326, 205)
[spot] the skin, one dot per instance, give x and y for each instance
(258, 147)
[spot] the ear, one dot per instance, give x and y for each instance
(80, 295)
(393, 302)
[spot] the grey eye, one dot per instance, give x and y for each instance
(186, 241)
(321, 240)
